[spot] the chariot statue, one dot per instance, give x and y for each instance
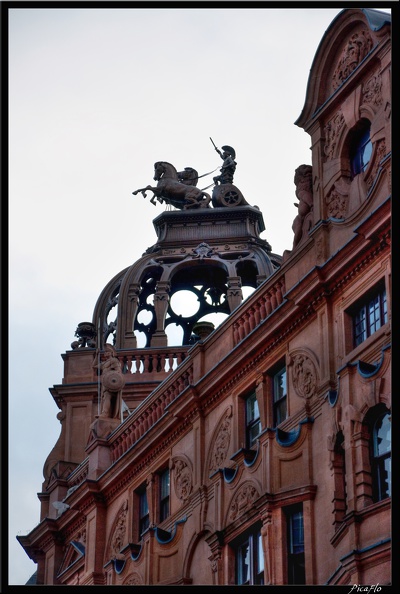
(179, 188)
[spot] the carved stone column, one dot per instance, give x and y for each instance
(234, 293)
(161, 300)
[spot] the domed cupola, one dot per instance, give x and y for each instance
(206, 250)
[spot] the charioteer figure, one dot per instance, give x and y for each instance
(229, 164)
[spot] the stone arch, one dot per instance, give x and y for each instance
(242, 500)
(199, 573)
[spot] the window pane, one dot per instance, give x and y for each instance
(367, 152)
(281, 411)
(370, 316)
(374, 315)
(360, 327)
(165, 484)
(387, 477)
(144, 509)
(244, 563)
(252, 408)
(260, 555)
(383, 435)
(296, 561)
(280, 385)
(297, 533)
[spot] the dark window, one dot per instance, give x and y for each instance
(164, 494)
(295, 545)
(361, 150)
(381, 445)
(249, 559)
(339, 473)
(143, 511)
(369, 314)
(253, 422)
(279, 396)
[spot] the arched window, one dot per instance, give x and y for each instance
(380, 441)
(361, 148)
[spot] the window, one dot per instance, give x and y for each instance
(249, 558)
(253, 422)
(144, 521)
(369, 314)
(164, 494)
(339, 476)
(380, 444)
(279, 396)
(361, 148)
(295, 545)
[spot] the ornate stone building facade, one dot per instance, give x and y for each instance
(258, 452)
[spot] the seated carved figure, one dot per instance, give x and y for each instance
(303, 182)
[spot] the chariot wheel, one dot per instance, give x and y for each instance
(227, 195)
(231, 198)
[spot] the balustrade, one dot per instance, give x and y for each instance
(259, 310)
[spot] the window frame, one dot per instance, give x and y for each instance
(143, 511)
(248, 546)
(368, 314)
(164, 500)
(360, 142)
(295, 559)
(378, 460)
(280, 402)
(252, 422)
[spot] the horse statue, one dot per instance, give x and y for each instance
(177, 189)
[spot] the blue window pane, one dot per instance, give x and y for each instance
(362, 153)
(244, 563)
(383, 438)
(260, 556)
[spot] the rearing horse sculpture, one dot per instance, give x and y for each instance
(171, 190)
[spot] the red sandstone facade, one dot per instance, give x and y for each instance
(261, 453)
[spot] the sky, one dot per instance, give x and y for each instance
(96, 97)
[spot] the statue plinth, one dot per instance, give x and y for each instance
(102, 427)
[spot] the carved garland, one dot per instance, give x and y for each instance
(133, 579)
(242, 500)
(221, 443)
(117, 540)
(332, 132)
(355, 50)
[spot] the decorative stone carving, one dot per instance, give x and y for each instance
(133, 579)
(203, 250)
(242, 500)
(222, 441)
(304, 193)
(332, 132)
(355, 50)
(337, 202)
(380, 152)
(372, 91)
(86, 334)
(112, 383)
(118, 536)
(304, 376)
(182, 477)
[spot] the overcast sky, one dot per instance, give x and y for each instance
(96, 97)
